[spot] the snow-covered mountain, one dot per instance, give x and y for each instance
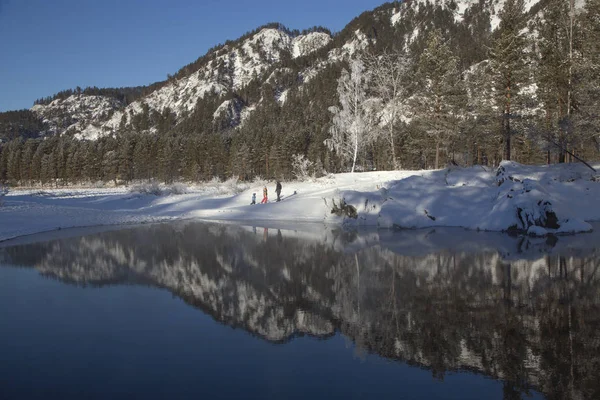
(228, 72)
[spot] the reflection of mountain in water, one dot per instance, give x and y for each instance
(532, 322)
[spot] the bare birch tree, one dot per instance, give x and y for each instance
(388, 72)
(353, 121)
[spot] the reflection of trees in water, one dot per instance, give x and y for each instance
(526, 322)
(569, 320)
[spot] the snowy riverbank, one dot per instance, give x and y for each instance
(533, 199)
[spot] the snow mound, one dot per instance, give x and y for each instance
(537, 200)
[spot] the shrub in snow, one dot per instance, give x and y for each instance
(344, 209)
(151, 187)
(229, 187)
(232, 184)
(155, 189)
(301, 167)
(177, 188)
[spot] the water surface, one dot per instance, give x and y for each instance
(196, 310)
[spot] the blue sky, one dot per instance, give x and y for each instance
(50, 45)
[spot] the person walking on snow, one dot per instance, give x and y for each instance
(253, 198)
(265, 197)
(278, 190)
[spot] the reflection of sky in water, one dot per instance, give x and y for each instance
(442, 300)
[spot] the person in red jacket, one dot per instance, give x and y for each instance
(265, 197)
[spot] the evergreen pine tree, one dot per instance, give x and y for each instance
(554, 72)
(125, 150)
(587, 81)
(36, 162)
(3, 162)
(48, 169)
(441, 92)
(142, 158)
(508, 61)
(14, 161)
(26, 160)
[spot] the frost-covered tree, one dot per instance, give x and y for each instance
(389, 71)
(301, 167)
(353, 121)
(508, 62)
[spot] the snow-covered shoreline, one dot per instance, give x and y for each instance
(539, 200)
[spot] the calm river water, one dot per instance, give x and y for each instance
(198, 310)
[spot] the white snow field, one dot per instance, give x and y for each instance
(533, 199)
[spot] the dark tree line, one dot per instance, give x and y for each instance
(22, 123)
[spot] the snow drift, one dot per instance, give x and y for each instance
(515, 198)
(534, 200)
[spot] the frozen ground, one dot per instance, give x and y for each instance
(533, 199)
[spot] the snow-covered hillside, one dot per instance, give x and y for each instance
(75, 112)
(306, 44)
(457, 7)
(229, 70)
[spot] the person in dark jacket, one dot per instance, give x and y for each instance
(278, 190)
